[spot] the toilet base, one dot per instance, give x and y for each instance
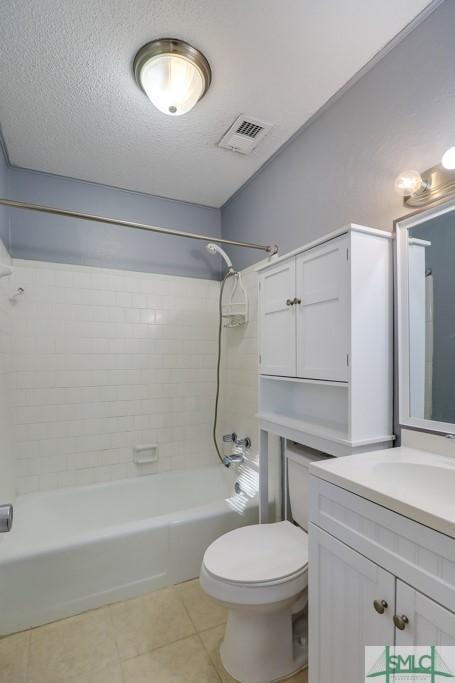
(258, 647)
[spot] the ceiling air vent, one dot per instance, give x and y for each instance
(245, 134)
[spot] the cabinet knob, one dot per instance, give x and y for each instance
(400, 621)
(380, 606)
(290, 302)
(297, 301)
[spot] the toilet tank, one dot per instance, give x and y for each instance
(298, 460)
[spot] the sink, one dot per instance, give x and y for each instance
(432, 483)
(415, 483)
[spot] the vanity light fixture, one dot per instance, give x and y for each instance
(433, 185)
(408, 183)
(173, 74)
(448, 159)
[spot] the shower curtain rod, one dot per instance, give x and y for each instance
(137, 226)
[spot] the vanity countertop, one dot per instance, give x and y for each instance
(415, 483)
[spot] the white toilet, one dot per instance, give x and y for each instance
(260, 574)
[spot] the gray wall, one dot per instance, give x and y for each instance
(439, 257)
(341, 168)
(49, 238)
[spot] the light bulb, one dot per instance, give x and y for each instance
(408, 183)
(448, 159)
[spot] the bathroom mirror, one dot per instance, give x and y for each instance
(426, 318)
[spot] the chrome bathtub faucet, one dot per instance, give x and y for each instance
(236, 458)
(239, 447)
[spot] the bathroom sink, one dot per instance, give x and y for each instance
(426, 480)
(415, 483)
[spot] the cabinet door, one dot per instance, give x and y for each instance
(322, 315)
(277, 320)
(428, 622)
(342, 619)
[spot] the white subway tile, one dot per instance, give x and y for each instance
(104, 360)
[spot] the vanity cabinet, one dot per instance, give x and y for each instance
(325, 342)
(370, 568)
(429, 622)
(343, 587)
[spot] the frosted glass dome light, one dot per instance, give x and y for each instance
(408, 183)
(173, 75)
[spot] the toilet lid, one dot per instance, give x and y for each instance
(259, 553)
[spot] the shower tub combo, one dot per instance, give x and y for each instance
(75, 549)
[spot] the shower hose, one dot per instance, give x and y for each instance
(229, 274)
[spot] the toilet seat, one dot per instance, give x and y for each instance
(258, 555)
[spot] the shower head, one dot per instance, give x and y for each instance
(215, 249)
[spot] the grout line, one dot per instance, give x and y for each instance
(211, 659)
(160, 647)
(184, 605)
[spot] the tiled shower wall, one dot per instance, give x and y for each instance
(103, 360)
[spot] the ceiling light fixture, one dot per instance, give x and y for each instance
(173, 75)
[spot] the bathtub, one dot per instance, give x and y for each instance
(76, 549)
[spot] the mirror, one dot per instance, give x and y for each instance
(426, 318)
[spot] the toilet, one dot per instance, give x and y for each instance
(260, 574)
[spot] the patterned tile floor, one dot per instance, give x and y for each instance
(170, 636)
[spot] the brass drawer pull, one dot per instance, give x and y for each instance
(380, 606)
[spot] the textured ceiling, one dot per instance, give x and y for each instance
(69, 104)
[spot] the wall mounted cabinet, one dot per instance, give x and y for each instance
(303, 314)
(325, 342)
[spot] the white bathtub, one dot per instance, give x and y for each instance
(75, 549)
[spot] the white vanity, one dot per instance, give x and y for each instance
(381, 558)
(382, 524)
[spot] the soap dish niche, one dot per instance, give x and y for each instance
(144, 454)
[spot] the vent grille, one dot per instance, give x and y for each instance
(245, 134)
(249, 129)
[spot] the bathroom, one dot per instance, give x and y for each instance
(226, 404)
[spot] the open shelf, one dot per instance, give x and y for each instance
(321, 431)
(304, 380)
(317, 407)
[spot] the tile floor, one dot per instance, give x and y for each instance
(170, 636)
